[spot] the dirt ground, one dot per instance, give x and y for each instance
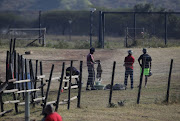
(161, 58)
(97, 107)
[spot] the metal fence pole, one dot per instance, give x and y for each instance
(112, 83)
(80, 85)
(169, 80)
(69, 91)
(141, 79)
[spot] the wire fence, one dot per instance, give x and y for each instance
(155, 92)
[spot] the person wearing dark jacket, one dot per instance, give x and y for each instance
(74, 72)
(145, 60)
(91, 71)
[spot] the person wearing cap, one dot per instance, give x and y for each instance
(147, 65)
(128, 63)
(50, 114)
(91, 71)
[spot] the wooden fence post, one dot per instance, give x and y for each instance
(22, 76)
(31, 78)
(14, 44)
(27, 107)
(35, 81)
(15, 64)
(26, 74)
(169, 80)
(60, 86)
(7, 67)
(41, 73)
(112, 82)
(1, 101)
(69, 92)
(48, 87)
(79, 85)
(141, 79)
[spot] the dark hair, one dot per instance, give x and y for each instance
(49, 109)
(144, 50)
(92, 50)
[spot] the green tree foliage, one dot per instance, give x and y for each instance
(75, 4)
(57, 22)
(143, 8)
(83, 4)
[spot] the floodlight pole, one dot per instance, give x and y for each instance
(165, 25)
(40, 27)
(91, 25)
(134, 28)
(70, 29)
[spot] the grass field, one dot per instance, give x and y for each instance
(94, 104)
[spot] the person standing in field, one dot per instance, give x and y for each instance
(128, 63)
(147, 64)
(91, 71)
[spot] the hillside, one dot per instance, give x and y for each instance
(83, 4)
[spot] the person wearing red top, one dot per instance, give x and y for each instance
(128, 63)
(51, 115)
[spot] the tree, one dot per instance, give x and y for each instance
(144, 7)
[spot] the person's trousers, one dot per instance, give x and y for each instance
(127, 73)
(91, 76)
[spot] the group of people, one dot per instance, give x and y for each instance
(144, 62)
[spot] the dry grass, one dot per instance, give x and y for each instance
(94, 104)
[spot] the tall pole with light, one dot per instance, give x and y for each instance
(70, 29)
(40, 27)
(91, 24)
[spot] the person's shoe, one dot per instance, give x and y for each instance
(125, 87)
(87, 89)
(93, 88)
(132, 86)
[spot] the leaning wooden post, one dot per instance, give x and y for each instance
(69, 91)
(31, 70)
(7, 67)
(10, 60)
(80, 85)
(26, 74)
(15, 61)
(14, 44)
(22, 75)
(60, 86)
(41, 73)
(10, 46)
(14, 95)
(31, 78)
(169, 80)
(35, 81)
(48, 87)
(1, 101)
(27, 107)
(141, 78)
(112, 82)
(18, 74)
